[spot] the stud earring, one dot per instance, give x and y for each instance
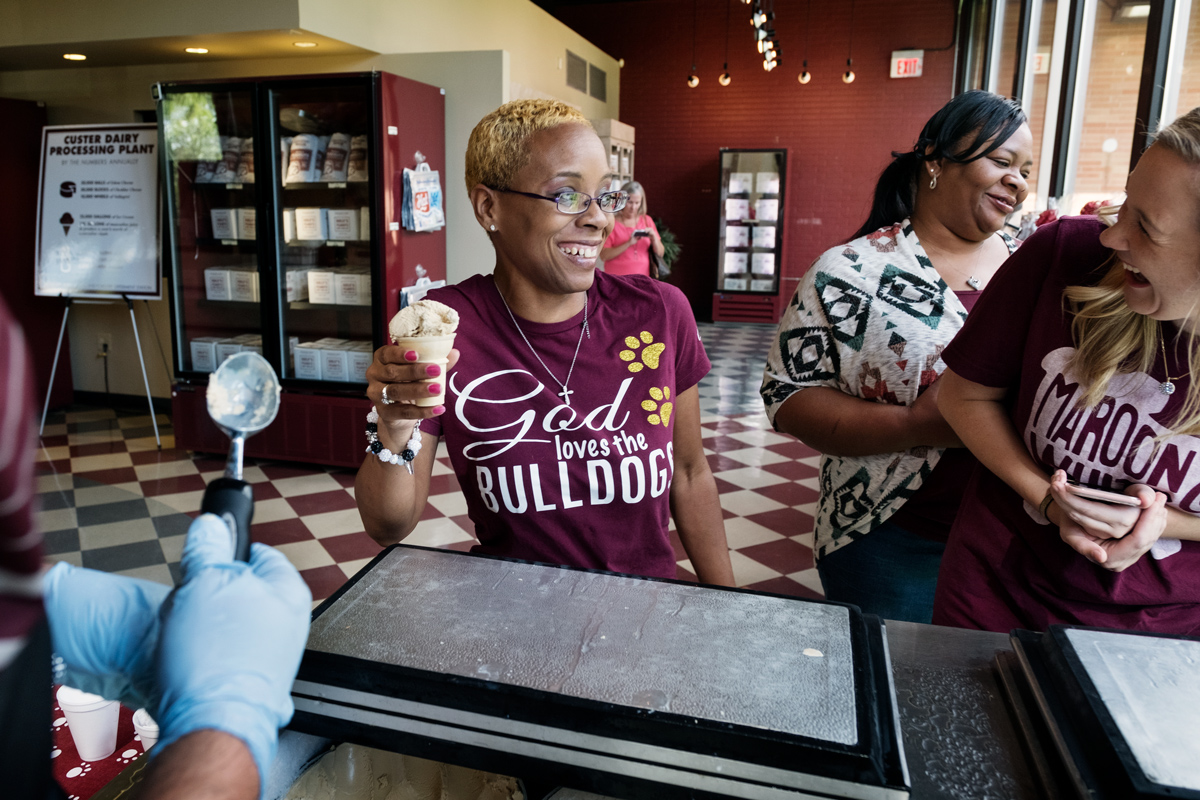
(492, 228)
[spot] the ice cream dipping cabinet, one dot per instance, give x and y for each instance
(285, 237)
(612, 684)
(436, 674)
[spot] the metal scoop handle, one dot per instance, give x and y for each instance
(233, 500)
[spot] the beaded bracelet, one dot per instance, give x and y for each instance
(405, 456)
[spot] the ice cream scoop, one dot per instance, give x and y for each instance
(243, 398)
(426, 327)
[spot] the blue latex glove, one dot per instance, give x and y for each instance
(104, 629)
(230, 643)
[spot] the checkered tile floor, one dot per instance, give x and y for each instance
(112, 501)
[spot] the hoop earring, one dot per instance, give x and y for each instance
(933, 183)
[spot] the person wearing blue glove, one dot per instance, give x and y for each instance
(214, 659)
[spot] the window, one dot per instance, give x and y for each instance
(1009, 48)
(1183, 78)
(1103, 141)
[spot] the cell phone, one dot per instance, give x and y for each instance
(1102, 495)
(641, 232)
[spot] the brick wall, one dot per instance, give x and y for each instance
(838, 136)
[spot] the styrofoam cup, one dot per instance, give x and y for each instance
(430, 350)
(92, 721)
(146, 727)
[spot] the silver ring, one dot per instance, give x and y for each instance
(383, 395)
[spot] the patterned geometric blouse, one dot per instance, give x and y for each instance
(870, 319)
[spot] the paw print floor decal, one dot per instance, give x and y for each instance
(658, 406)
(648, 355)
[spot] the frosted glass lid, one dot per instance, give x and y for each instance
(1151, 688)
(768, 662)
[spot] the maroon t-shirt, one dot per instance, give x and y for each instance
(930, 512)
(1005, 567)
(20, 539)
(585, 484)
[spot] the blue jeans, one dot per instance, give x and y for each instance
(889, 572)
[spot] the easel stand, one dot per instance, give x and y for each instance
(137, 340)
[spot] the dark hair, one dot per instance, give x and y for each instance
(988, 116)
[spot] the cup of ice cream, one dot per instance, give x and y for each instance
(427, 327)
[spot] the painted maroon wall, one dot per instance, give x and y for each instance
(838, 136)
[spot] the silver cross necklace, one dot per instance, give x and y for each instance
(566, 393)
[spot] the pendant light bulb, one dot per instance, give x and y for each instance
(805, 76)
(848, 76)
(693, 80)
(725, 79)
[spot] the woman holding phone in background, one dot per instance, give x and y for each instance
(1077, 364)
(627, 249)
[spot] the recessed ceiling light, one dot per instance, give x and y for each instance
(198, 50)
(74, 56)
(305, 44)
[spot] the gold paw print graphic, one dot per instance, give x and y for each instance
(649, 354)
(659, 406)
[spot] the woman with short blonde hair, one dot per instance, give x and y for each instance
(572, 413)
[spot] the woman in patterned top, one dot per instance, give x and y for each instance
(853, 368)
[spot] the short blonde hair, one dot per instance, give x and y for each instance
(497, 149)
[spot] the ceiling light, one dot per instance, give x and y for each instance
(197, 50)
(805, 76)
(74, 56)
(848, 75)
(305, 44)
(693, 80)
(725, 79)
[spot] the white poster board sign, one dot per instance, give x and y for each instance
(98, 212)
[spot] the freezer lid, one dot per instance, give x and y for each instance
(642, 680)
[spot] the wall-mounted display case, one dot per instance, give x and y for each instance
(750, 234)
(285, 237)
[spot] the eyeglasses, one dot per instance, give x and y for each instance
(578, 202)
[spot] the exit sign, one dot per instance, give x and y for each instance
(907, 63)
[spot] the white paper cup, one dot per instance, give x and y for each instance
(92, 721)
(146, 727)
(430, 350)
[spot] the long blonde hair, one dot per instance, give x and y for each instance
(1111, 338)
